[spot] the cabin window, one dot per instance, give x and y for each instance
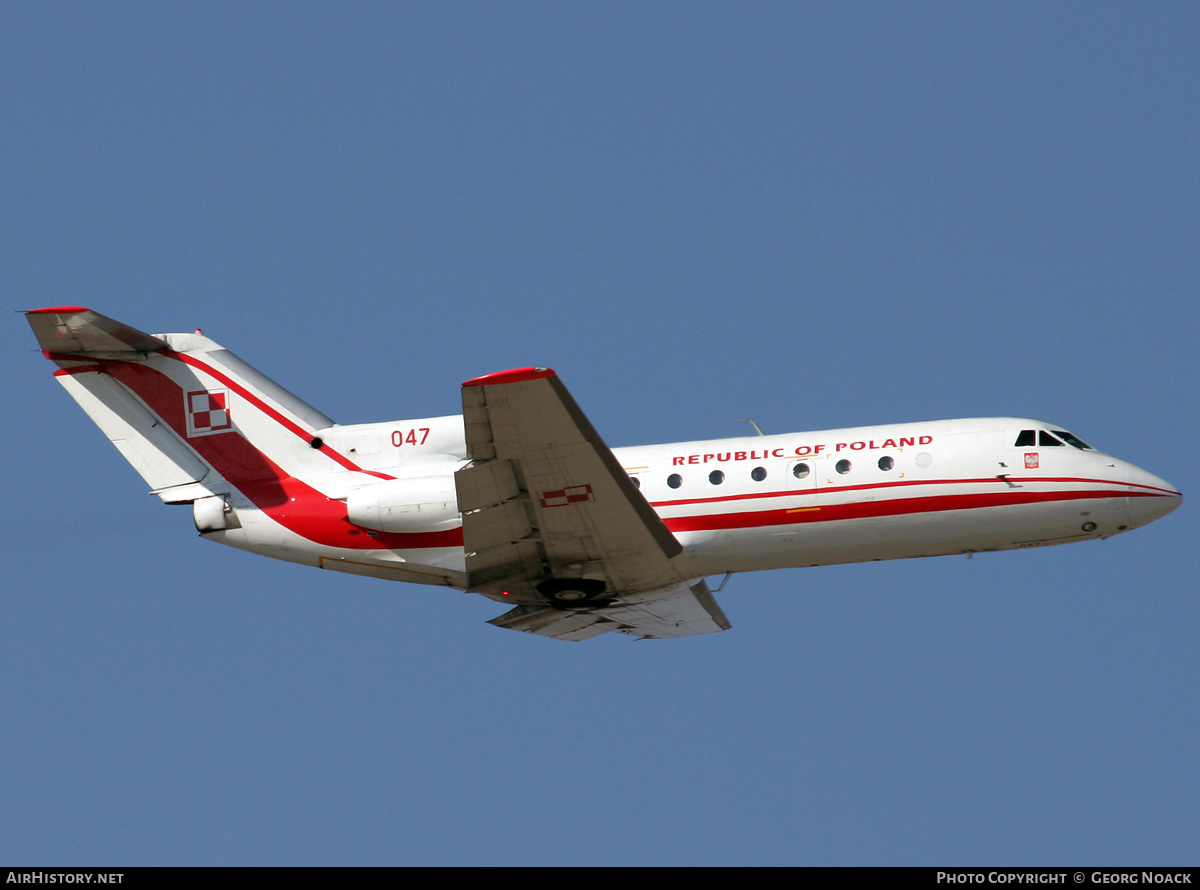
(1073, 440)
(1026, 439)
(674, 480)
(716, 477)
(886, 463)
(637, 483)
(1045, 439)
(800, 471)
(843, 467)
(758, 474)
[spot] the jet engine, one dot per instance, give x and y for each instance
(422, 504)
(214, 514)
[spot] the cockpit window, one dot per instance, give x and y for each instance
(1026, 439)
(1044, 439)
(1073, 440)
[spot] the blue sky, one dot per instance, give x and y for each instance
(816, 215)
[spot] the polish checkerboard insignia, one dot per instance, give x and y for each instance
(208, 412)
(563, 496)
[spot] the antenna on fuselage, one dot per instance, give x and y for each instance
(750, 420)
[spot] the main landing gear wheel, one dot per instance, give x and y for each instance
(571, 591)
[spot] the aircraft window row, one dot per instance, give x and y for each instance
(1043, 439)
(800, 470)
(758, 474)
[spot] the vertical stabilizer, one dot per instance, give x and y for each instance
(185, 412)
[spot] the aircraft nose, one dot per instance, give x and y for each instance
(1152, 498)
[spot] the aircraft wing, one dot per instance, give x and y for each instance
(552, 523)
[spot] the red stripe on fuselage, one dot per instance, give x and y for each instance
(894, 507)
(869, 486)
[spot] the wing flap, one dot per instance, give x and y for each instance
(510, 568)
(485, 484)
(496, 526)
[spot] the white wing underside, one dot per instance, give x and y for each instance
(545, 503)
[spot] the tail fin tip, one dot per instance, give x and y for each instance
(77, 330)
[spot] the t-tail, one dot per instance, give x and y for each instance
(192, 418)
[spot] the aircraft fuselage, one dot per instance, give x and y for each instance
(520, 500)
(802, 499)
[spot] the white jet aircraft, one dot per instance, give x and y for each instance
(519, 499)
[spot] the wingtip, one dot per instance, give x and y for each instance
(516, 375)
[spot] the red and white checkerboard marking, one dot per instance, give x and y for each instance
(208, 412)
(563, 496)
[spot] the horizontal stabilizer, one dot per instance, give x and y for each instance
(74, 330)
(555, 623)
(681, 611)
(180, 408)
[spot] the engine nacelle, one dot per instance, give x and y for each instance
(212, 514)
(423, 504)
